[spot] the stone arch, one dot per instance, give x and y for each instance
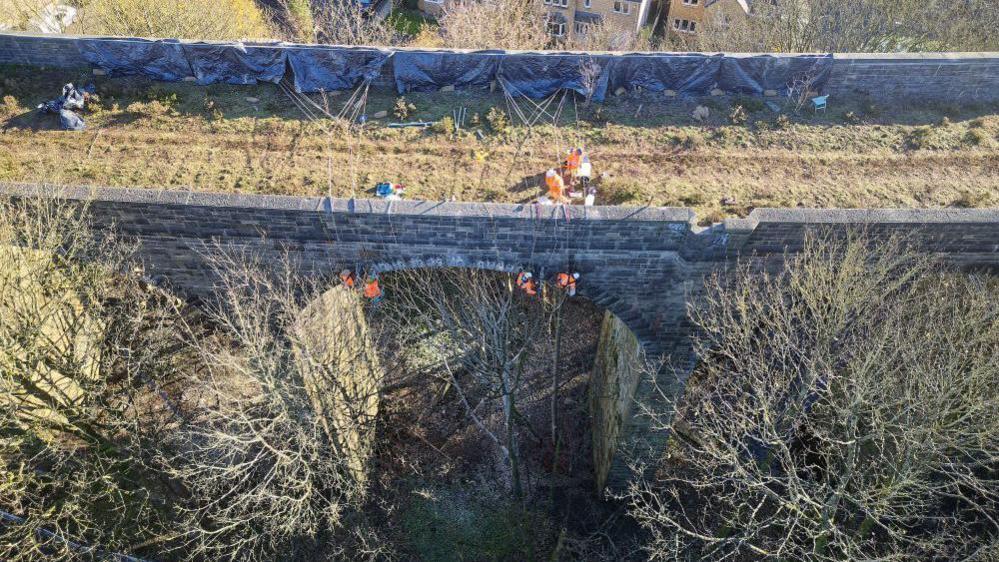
(614, 376)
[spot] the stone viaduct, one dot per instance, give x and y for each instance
(640, 263)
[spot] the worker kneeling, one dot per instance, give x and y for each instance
(372, 291)
(556, 187)
(525, 281)
(567, 282)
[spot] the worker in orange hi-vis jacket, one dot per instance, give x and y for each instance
(567, 282)
(348, 278)
(372, 291)
(556, 187)
(525, 280)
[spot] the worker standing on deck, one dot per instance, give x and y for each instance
(525, 281)
(556, 187)
(567, 282)
(572, 162)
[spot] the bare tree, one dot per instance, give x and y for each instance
(488, 330)
(843, 408)
(350, 23)
(86, 356)
(278, 455)
(863, 26)
(190, 19)
(494, 24)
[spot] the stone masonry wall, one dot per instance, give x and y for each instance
(640, 263)
(950, 77)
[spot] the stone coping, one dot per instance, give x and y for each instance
(250, 43)
(353, 206)
(501, 210)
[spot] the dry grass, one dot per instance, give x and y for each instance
(647, 149)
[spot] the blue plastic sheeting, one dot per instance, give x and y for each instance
(334, 68)
(160, 60)
(757, 73)
(235, 63)
(429, 71)
(682, 73)
(540, 75)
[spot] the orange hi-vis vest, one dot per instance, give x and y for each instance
(555, 187)
(573, 160)
(348, 279)
(372, 290)
(527, 284)
(565, 281)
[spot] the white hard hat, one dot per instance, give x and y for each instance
(528, 275)
(550, 172)
(575, 276)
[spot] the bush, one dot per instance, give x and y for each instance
(738, 115)
(920, 138)
(191, 19)
(445, 126)
(858, 374)
(851, 117)
(782, 122)
(498, 120)
(402, 108)
(975, 137)
(750, 103)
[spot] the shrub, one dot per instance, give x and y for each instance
(498, 120)
(851, 117)
(782, 122)
(858, 374)
(738, 115)
(10, 106)
(443, 127)
(975, 137)
(403, 108)
(920, 138)
(191, 19)
(750, 103)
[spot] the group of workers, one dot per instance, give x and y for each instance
(371, 289)
(571, 180)
(563, 280)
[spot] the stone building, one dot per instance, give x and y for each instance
(686, 17)
(566, 18)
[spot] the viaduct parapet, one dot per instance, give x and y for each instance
(640, 263)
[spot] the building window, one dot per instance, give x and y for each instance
(621, 7)
(690, 2)
(586, 3)
(581, 28)
(558, 3)
(684, 26)
(555, 28)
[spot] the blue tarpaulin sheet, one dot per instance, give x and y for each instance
(428, 71)
(334, 68)
(757, 73)
(537, 75)
(235, 63)
(682, 73)
(160, 60)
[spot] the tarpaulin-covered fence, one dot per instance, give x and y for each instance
(314, 68)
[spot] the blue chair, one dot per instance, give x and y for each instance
(819, 103)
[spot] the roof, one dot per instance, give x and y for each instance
(742, 4)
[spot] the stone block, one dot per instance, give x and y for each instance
(380, 115)
(447, 89)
